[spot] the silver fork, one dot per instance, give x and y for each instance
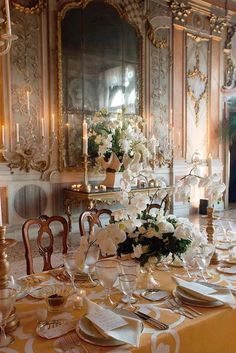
(177, 308)
(187, 307)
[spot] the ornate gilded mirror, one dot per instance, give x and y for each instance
(99, 57)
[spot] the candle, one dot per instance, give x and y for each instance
(17, 133)
(0, 211)
(85, 138)
(53, 123)
(8, 16)
(42, 127)
(28, 102)
(3, 134)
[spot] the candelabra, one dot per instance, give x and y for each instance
(161, 151)
(6, 38)
(31, 152)
(210, 233)
(86, 187)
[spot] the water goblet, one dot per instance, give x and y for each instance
(203, 258)
(129, 267)
(7, 301)
(71, 267)
(189, 262)
(128, 285)
(90, 260)
(107, 272)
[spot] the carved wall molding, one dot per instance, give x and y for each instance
(229, 67)
(196, 74)
(218, 23)
(29, 6)
(180, 11)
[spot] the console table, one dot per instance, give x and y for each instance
(90, 199)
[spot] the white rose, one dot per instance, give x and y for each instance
(107, 247)
(165, 227)
(182, 232)
(115, 233)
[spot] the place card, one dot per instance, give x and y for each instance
(106, 320)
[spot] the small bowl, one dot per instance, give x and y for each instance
(56, 297)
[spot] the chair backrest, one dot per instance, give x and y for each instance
(93, 217)
(44, 223)
(165, 205)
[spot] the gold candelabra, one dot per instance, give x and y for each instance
(210, 233)
(86, 187)
(12, 321)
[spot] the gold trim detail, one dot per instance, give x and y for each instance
(158, 43)
(29, 9)
(196, 73)
(218, 23)
(229, 67)
(180, 11)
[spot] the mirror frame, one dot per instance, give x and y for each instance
(61, 13)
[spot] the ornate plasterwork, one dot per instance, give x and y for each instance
(29, 6)
(25, 67)
(229, 81)
(159, 85)
(218, 23)
(195, 74)
(180, 11)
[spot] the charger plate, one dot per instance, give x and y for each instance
(86, 331)
(229, 270)
(187, 298)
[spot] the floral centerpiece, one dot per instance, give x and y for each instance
(120, 134)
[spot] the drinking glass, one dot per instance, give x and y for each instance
(90, 260)
(128, 285)
(129, 267)
(203, 258)
(107, 272)
(189, 262)
(7, 301)
(71, 266)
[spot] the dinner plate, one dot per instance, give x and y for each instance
(187, 298)
(230, 261)
(90, 334)
(224, 246)
(229, 270)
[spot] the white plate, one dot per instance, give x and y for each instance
(88, 332)
(191, 300)
(229, 270)
(154, 295)
(224, 246)
(232, 262)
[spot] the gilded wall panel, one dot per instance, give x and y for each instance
(26, 72)
(159, 84)
(197, 95)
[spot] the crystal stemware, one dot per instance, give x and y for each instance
(71, 266)
(203, 258)
(129, 267)
(128, 285)
(90, 260)
(7, 301)
(107, 271)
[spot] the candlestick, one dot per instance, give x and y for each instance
(17, 133)
(43, 128)
(8, 16)
(3, 134)
(28, 102)
(53, 123)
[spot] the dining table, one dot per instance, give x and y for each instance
(212, 331)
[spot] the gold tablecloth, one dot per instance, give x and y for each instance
(213, 332)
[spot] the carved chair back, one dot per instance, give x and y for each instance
(165, 205)
(45, 231)
(93, 218)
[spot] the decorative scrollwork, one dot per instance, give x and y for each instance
(29, 6)
(196, 73)
(180, 11)
(217, 23)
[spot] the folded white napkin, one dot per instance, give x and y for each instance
(108, 323)
(200, 291)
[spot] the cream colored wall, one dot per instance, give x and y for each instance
(37, 44)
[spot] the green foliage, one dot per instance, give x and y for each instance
(229, 129)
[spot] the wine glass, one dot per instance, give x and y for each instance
(203, 258)
(7, 301)
(128, 285)
(189, 262)
(129, 267)
(107, 272)
(90, 260)
(71, 267)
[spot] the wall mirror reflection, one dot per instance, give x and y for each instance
(99, 67)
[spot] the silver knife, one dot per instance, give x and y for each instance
(151, 321)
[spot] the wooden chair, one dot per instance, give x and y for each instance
(165, 205)
(44, 223)
(93, 217)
